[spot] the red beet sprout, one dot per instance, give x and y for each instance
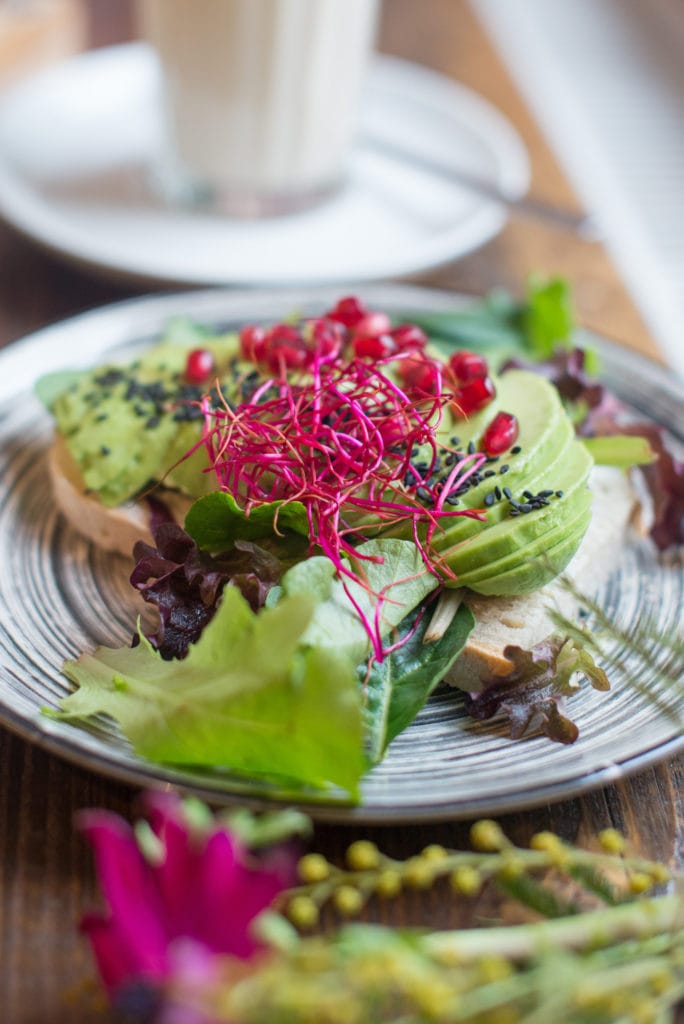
(339, 439)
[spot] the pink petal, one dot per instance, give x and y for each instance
(112, 954)
(230, 896)
(180, 866)
(129, 889)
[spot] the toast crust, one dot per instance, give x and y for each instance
(112, 529)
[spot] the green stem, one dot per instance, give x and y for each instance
(588, 931)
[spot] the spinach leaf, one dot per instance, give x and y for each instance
(215, 521)
(396, 689)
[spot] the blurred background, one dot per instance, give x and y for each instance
(593, 88)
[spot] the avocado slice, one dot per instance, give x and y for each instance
(570, 532)
(531, 576)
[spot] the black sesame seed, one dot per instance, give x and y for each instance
(525, 507)
(104, 450)
(449, 460)
(489, 499)
(489, 472)
(423, 494)
(559, 494)
(516, 450)
(455, 440)
(453, 500)
(471, 448)
(514, 512)
(497, 491)
(508, 493)
(545, 494)
(492, 458)
(504, 469)
(529, 495)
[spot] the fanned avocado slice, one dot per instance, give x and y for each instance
(567, 529)
(530, 576)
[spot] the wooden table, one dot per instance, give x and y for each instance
(46, 876)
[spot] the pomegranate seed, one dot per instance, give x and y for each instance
(421, 375)
(284, 348)
(285, 333)
(409, 337)
(468, 366)
(253, 343)
(348, 311)
(199, 365)
(473, 396)
(393, 429)
(373, 324)
(327, 337)
(288, 357)
(501, 434)
(371, 346)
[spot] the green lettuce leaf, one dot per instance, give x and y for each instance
(248, 698)
(335, 625)
(216, 520)
(532, 695)
(396, 689)
(50, 386)
(547, 318)
(619, 450)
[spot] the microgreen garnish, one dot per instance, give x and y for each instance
(339, 440)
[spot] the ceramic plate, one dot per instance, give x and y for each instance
(60, 596)
(76, 143)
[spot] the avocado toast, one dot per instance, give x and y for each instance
(431, 498)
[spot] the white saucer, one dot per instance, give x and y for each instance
(75, 142)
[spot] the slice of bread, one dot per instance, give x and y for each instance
(525, 621)
(112, 529)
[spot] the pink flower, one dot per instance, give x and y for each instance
(196, 887)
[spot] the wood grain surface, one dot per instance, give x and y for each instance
(46, 878)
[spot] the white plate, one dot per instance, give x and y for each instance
(76, 142)
(60, 596)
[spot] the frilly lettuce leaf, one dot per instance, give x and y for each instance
(249, 697)
(531, 695)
